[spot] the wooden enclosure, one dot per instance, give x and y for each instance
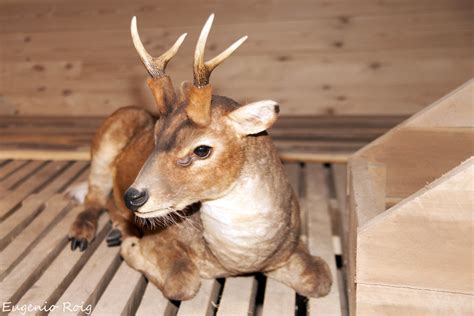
(410, 232)
(365, 57)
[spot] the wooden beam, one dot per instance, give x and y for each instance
(316, 204)
(238, 297)
(154, 303)
(205, 302)
(121, 298)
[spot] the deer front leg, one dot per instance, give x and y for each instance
(165, 263)
(307, 275)
(83, 229)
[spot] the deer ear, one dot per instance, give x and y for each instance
(254, 118)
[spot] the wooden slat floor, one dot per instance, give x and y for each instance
(313, 138)
(38, 268)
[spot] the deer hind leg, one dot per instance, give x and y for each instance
(108, 142)
(307, 275)
(165, 262)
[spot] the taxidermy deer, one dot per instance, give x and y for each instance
(196, 190)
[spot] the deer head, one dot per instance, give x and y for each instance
(200, 138)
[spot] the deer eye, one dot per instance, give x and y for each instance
(202, 151)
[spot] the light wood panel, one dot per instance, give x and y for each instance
(19, 280)
(375, 300)
(422, 242)
(238, 297)
(205, 302)
(154, 303)
(121, 298)
(420, 245)
(61, 272)
(49, 170)
(337, 57)
(316, 204)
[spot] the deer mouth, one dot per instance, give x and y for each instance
(155, 213)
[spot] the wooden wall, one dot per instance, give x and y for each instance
(66, 57)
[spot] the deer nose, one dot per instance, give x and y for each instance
(134, 198)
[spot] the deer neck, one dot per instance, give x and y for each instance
(251, 219)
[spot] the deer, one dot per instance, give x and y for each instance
(195, 188)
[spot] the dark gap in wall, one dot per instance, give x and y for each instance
(339, 262)
(260, 296)
(137, 295)
(301, 308)
(215, 306)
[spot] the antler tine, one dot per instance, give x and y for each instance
(154, 66)
(202, 70)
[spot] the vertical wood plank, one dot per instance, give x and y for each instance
(204, 302)
(316, 204)
(120, 295)
(154, 303)
(339, 174)
(293, 171)
(238, 297)
(279, 299)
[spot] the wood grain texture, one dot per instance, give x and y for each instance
(316, 204)
(50, 170)
(337, 57)
(238, 297)
(120, 297)
(92, 280)
(279, 299)
(424, 241)
(61, 272)
(420, 245)
(16, 249)
(205, 301)
(310, 138)
(154, 303)
(369, 190)
(375, 300)
(20, 279)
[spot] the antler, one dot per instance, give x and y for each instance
(202, 70)
(154, 66)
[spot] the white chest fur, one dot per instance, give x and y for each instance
(245, 227)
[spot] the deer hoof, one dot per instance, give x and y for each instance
(82, 244)
(114, 238)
